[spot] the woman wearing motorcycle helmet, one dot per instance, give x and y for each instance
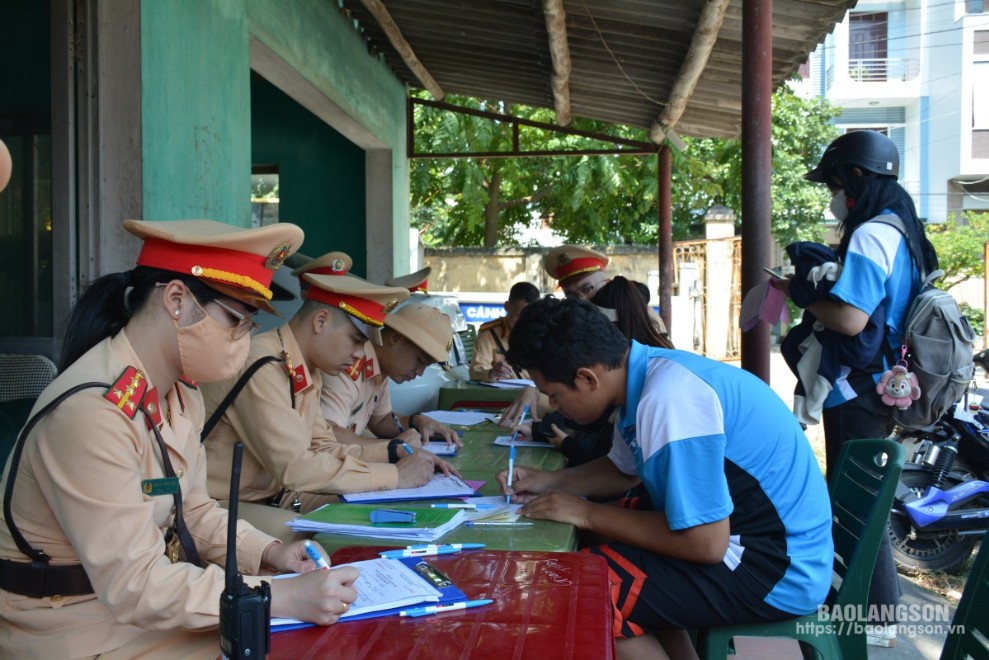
(860, 169)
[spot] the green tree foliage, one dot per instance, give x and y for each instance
(959, 246)
(709, 172)
(601, 199)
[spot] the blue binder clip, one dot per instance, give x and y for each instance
(392, 516)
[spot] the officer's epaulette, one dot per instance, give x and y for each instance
(189, 382)
(491, 325)
(127, 391)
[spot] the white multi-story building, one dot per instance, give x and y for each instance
(917, 70)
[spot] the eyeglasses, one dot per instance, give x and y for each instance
(582, 291)
(245, 324)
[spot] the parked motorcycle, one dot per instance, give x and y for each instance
(941, 508)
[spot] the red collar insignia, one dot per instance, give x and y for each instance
(298, 377)
(127, 391)
(361, 368)
(152, 407)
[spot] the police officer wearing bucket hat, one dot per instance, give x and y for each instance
(108, 533)
(289, 446)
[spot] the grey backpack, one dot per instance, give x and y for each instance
(939, 343)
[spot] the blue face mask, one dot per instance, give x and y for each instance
(839, 206)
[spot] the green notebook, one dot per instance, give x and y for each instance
(355, 520)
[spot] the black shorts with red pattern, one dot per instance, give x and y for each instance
(652, 592)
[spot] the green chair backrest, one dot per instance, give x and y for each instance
(865, 478)
(969, 633)
(467, 339)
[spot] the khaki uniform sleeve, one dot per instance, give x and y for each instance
(484, 353)
(337, 399)
(207, 522)
(93, 485)
(297, 446)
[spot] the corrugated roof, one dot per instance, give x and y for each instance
(626, 54)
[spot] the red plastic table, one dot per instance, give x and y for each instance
(546, 605)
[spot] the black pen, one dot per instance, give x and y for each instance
(394, 418)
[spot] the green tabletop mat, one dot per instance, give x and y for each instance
(479, 460)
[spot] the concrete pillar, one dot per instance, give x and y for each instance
(719, 227)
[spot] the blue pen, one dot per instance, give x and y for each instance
(430, 551)
(462, 546)
(511, 469)
(511, 453)
(437, 609)
(316, 557)
(407, 448)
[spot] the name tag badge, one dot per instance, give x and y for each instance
(163, 486)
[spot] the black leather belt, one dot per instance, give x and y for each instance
(42, 580)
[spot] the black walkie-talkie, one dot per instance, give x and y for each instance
(245, 612)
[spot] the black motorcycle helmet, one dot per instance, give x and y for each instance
(868, 150)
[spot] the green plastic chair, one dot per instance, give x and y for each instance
(467, 339)
(969, 634)
(861, 497)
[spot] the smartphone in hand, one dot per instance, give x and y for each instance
(774, 273)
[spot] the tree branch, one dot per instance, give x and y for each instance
(534, 197)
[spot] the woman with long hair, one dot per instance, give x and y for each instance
(109, 542)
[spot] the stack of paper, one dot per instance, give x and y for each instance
(494, 509)
(355, 520)
(461, 417)
(509, 383)
(439, 486)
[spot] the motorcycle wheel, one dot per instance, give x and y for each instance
(930, 551)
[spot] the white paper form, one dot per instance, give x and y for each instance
(383, 584)
(461, 417)
(439, 486)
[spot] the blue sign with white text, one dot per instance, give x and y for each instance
(482, 313)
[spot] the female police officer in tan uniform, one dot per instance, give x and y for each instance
(92, 490)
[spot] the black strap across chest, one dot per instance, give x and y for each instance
(39, 578)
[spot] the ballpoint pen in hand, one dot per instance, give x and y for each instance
(511, 453)
(464, 505)
(315, 556)
(437, 609)
(398, 424)
(408, 448)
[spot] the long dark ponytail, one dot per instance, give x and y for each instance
(110, 302)
(630, 301)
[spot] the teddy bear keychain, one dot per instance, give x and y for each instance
(898, 385)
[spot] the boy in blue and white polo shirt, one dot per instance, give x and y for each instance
(739, 525)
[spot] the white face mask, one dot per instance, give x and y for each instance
(839, 206)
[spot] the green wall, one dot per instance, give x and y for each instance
(320, 173)
(327, 51)
(196, 106)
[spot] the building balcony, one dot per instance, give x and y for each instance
(890, 79)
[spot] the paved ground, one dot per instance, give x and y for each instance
(924, 646)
